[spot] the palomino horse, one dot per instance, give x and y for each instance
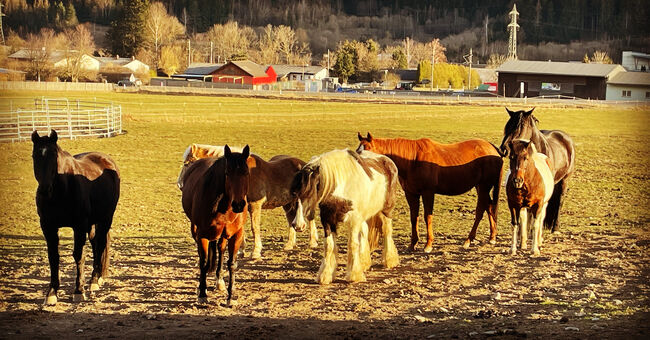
(80, 192)
(529, 187)
(350, 189)
(427, 168)
(268, 189)
(555, 144)
(214, 199)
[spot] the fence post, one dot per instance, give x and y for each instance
(70, 119)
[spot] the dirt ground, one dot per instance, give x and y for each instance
(587, 284)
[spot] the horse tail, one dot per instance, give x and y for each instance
(374, 232)
(212, 257)
(501, 153)
(553, 209)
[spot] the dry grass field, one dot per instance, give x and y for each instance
(592, 279)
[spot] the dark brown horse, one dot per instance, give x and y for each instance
(427, 168)
(214, 199)
(529, 187)
(268, 189)
(80, 192)
(555, 144)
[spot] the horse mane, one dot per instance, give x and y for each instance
(405, 148)
(336, 166)
(210, 150)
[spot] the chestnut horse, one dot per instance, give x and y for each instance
(555, 144)
(214, 199)
(80, 192)
(427, 168)
(529, 187)
(268, 189)
(350, 189)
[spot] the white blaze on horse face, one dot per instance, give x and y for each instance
(299, 221)
(43, 151)
(360, 148)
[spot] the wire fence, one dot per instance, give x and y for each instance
(71, 119)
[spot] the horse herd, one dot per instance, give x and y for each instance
(351, 189)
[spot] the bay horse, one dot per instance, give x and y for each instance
(268, 189)
(349, 189)
(555, 144)
(80, 192)
(529, 188)
(214, 200)
(427, 168)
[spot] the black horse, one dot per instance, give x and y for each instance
(80, 192)
(555, 144)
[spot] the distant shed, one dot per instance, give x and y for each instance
(629, 86)
(542, 78)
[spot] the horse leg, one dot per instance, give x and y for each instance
(313, 234)
(203, 245)
(354, 267)
(364, 247)
(552, 219)
(523, 227)
(100, 245)
(413, 201)
(79, 259)
(482, 204)
(514, 220)
(493, 210)
(327, 270)
(389, 253)
(427, 202)
(221, 248)
(233, 246)
(52, 238)
(255, 209)
(536, 221)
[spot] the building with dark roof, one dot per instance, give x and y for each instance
(545, 78)
(629, 86)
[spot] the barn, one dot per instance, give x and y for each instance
(244, 72)
(546, 78)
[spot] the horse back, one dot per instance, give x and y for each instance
(272, 179)
(561, 151)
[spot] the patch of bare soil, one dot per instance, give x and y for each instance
(586, 284)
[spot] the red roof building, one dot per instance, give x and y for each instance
(244, 72)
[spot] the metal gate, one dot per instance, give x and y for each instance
(70, 119)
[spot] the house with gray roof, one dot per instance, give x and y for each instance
(633, 86)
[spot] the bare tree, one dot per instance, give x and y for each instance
(268, 46)
(169, 59)
(162, 28)
(39, 49)
(230, 40)
(290, 49)
(80, 45)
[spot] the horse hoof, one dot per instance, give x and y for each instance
(231, 303)
(221, 285)
(288, 247)
(78, 297)
(50, 300)
(411, 249)
(256, 255)
(536, 253)
(513, 252)
(100, 281)
(357, 277)
(94, 287)
(324, 279)
(428, 249)
(466, 244)
(202, 299)
(493, 242)
(313, 244)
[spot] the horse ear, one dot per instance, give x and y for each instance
(193, 147)
(369, 137)
(509, 112)
(359, 136)
(247, 151)
(528, 113)
(35, 136)
(53, 136)
(226, 151)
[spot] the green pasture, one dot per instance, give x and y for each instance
(609, 189)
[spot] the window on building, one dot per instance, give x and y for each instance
(627, 93)
(647, 95)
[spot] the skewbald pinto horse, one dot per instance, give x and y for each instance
(555, 144)
(80, 192)
(529, 188)
(214, 200)
(427, 168)
(268, 189)
(349, 189)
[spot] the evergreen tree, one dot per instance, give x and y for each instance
(346, 60)
(400, 58)
(127, 31)
(70, 15)
(424, 71)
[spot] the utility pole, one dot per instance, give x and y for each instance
(513, 27)
(2, 33)
(189, 53)
(433, 60)
(486, 36)
(211, 58)
(328, 62)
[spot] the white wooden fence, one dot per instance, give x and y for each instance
(70, 119)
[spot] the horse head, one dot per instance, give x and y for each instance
(365, 143)
(44, 155)
(305, 188)
(520, 126)
(521, 152)
(237, 177)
